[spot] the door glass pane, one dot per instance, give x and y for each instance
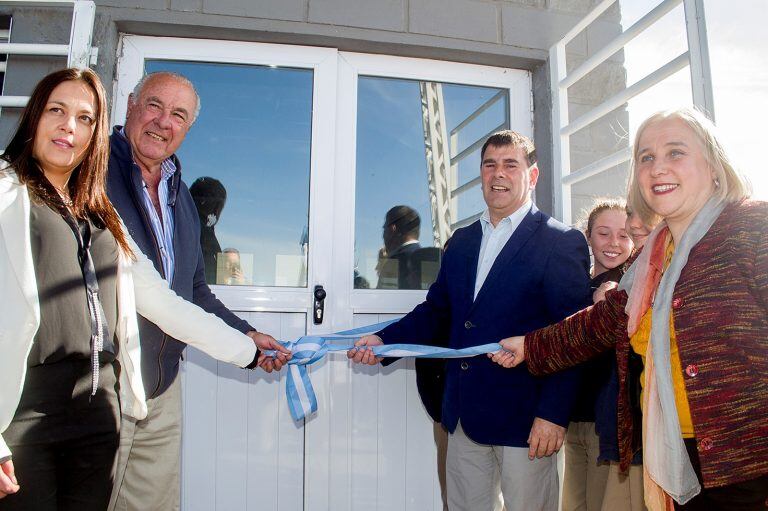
(246, 161)
(417, 177)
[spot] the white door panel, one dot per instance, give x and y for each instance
(374, 435)
(241, 448)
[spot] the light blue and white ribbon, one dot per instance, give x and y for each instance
(308, 349)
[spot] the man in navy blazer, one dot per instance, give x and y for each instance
(513, 271)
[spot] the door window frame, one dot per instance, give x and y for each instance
(136, 50)
(351, 66)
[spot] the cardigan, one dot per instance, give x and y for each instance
(139, 289)
(720, 304)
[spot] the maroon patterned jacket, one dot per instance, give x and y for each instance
(720, 307)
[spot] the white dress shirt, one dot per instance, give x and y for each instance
(494, 239)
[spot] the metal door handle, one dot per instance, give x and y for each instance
(318, 305)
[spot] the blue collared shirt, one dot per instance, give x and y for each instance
(162, 228)
(494, 239)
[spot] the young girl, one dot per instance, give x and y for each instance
(585, 479)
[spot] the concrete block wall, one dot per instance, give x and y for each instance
(504, 33)
(50, 26)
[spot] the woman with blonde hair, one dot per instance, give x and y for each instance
(71, 283)
(694, 306)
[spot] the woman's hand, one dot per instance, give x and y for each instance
(512, 352)
(599, 294)
(8, 482)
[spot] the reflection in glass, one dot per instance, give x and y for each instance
(418, 167)
(402, 262)
(247, 161)
(209, 196)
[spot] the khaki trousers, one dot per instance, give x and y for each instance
(624, 492)
(441, 443)
(584, 479)
(148, 466)
(478, 475)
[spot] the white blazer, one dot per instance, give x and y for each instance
(139, 289)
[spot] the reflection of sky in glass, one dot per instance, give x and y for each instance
(391, 160)
(253, 135)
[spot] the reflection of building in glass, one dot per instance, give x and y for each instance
(445, 150)
(437, 129)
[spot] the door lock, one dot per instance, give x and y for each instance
(318, 307)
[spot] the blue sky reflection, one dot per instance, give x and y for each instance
(253, 135)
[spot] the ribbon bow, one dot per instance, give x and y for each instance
(308, 349)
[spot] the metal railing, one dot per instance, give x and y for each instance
(696, 58)
(458, 156)
(79, 51)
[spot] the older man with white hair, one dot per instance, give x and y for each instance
(144, 183)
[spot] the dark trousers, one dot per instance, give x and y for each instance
(744, 496)
(63, 441)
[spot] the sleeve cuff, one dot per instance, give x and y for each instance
(255, 362)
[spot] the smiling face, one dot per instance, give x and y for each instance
(611, 245)
(637, 230)
(672, 172)
(65, 129)
(506, 180)
(158, 120)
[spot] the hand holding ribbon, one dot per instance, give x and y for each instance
(308, 349)
(362, 353)
(512, 352)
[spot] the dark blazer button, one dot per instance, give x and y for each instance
(677, 303)
(464, 366)
(706, 443)
(468, 325)
(692, 370)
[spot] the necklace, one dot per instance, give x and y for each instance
(64, 197)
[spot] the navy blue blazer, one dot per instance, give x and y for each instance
(540, 277)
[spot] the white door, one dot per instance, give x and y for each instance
(297, 157)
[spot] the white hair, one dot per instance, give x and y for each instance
(176, 76)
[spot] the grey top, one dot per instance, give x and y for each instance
(65, 323)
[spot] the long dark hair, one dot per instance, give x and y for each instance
(87, 184)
